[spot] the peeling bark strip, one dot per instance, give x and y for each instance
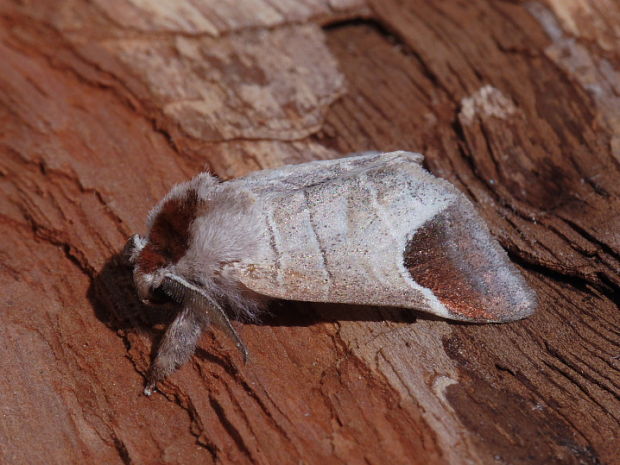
(95, 130)
(229, 88)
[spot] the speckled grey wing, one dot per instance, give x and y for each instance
(378, 229)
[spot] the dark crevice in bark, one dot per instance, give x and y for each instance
(606, 248)
(564, 361)
(609, 289)
(67, 248)
(122, 451)
(393, 37)
(234, 433)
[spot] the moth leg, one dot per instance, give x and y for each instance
(176, 347)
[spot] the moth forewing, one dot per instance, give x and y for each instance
(351, 232)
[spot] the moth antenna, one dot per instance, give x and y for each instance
(182, 291)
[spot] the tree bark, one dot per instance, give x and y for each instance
(106, 104)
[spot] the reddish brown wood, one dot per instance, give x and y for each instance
(104, 105)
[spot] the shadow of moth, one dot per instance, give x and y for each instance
(369, 229)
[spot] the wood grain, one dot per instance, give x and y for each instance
(105, 105)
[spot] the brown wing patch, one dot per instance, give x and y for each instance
(455, 256)
(169, 235)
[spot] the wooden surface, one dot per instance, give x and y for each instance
(104, 105)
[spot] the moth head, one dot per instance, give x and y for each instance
(160, 284)
(167, 242)
(149, 268)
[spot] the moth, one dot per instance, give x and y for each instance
(369, 229)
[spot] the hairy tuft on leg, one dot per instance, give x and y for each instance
(176, 347)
